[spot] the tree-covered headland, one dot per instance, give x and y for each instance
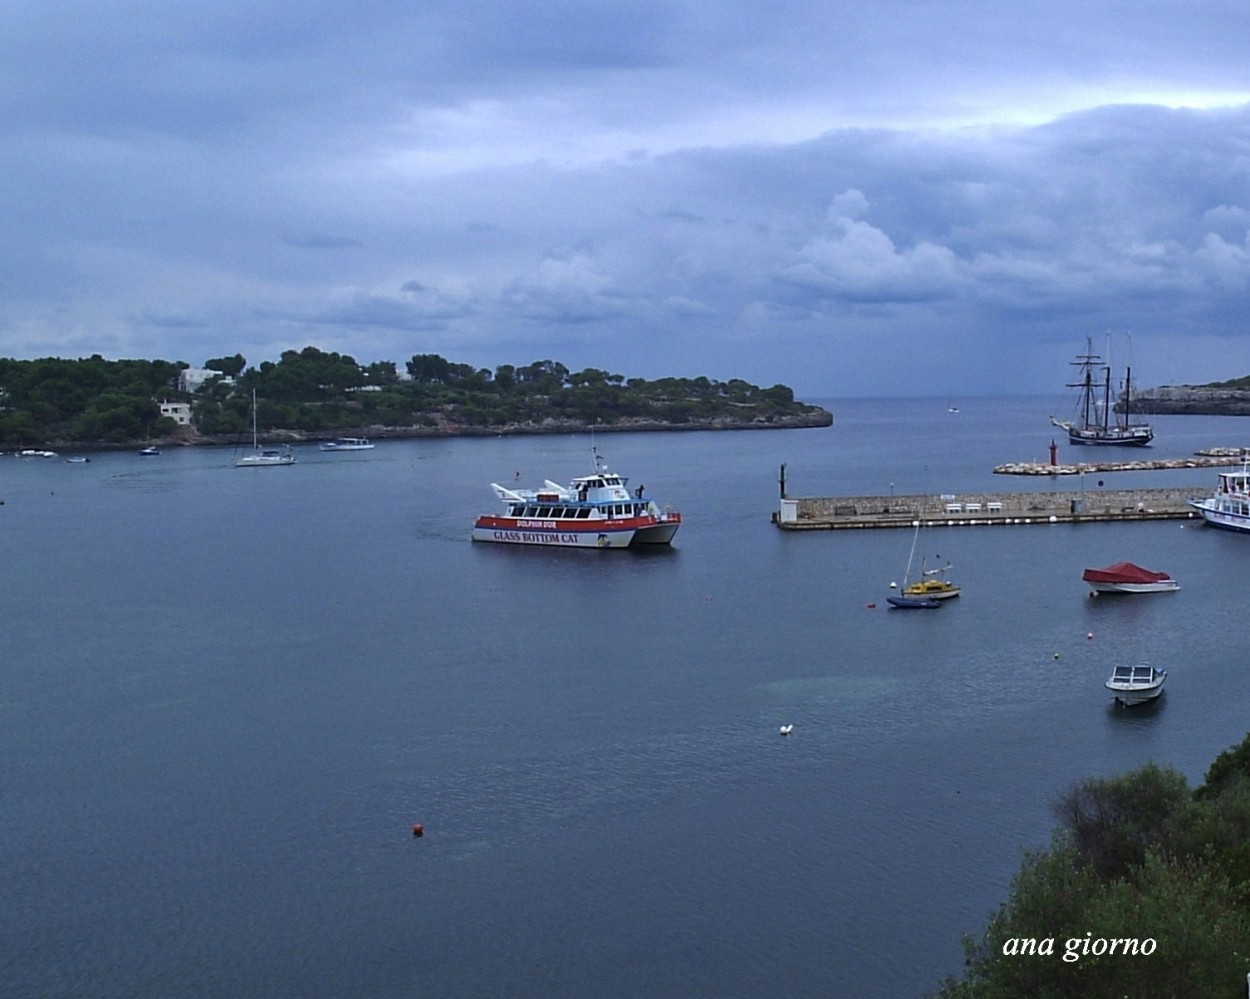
(315, 393)
(1143, 892)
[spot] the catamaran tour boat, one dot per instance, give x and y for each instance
(593, 511)
(1229, 505)
(1095, 422)
(1125, 577)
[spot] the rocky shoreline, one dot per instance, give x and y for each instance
(187, 437)
(1190, 400)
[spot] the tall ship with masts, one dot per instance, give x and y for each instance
(1096, 421)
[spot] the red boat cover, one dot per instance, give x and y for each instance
(1123, 572)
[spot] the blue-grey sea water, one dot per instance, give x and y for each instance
(227, 695)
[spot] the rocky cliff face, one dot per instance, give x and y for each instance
(1198, 400)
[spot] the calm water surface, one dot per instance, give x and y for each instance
(227, 695)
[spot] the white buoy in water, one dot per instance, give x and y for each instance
(787, 729)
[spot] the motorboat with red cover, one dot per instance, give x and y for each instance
(1125, 577)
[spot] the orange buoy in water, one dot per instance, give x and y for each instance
(418, 830)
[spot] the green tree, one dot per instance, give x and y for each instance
(428, 368)
(1137, 857)
(231, 367)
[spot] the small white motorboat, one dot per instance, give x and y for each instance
(348, 444)
(1136, 684)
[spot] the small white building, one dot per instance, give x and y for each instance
(191, 379)
(179, 412)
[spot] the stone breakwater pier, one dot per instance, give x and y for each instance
(1213, 458)
(984, 509)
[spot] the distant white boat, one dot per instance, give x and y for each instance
(348, 444)
(149, 451)
(32, 453)
(264, 457)
(1136, 684)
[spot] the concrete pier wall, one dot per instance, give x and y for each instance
(1068, 506)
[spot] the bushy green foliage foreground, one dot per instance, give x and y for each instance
(1139, 857)
(96, 400)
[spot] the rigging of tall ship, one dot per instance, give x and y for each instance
(1095, 421)
(593, 511)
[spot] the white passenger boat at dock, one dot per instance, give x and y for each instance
(1229, 505)
(593, 511)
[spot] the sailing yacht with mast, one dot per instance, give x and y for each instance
(1095, 422)
(930, 589)
(263, 457)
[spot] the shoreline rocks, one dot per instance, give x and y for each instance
(814, 418)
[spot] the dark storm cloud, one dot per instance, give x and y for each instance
(775, 191)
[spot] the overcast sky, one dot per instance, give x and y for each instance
(880, 198)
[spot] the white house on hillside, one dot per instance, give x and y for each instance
(179, 412)
(191, 379)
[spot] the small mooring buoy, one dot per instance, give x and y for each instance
(418, 830)
(1089, 635)
(1055, 655)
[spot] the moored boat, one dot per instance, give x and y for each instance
(1229, 505)
(1136, 684)
(1095, 422)
(1125, 577)
(914, 603)
(933, 585)
(593, 511)
(263, 457)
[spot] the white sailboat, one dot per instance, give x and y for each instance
(263, 457)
